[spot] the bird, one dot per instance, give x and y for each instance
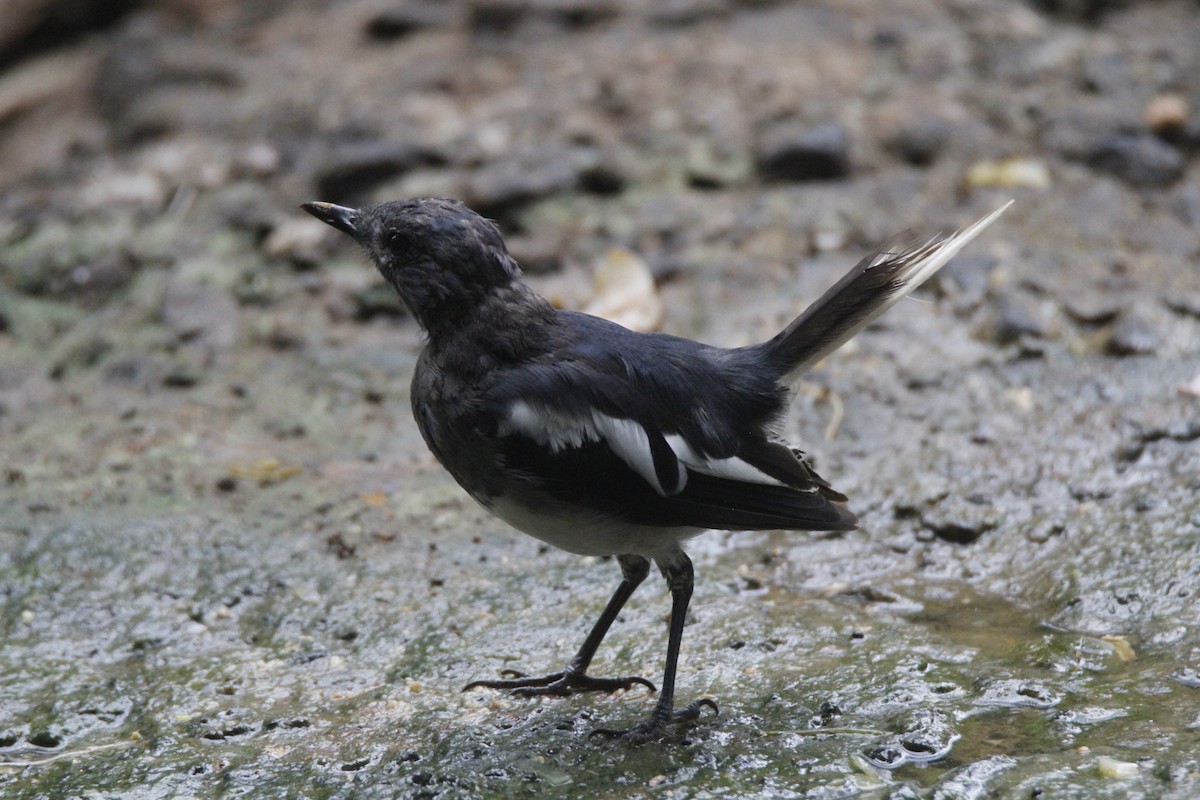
(602, 441)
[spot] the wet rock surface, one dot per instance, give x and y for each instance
(229, 566)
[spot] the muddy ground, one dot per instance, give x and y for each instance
(228, 567)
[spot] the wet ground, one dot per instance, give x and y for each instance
(228, 567)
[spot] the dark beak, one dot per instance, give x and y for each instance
(340, 217)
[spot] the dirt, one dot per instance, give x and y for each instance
(228, 566)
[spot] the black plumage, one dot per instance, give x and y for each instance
(604, 441)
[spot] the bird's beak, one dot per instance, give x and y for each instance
(340, 217)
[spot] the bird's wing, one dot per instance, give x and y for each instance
(621, 444)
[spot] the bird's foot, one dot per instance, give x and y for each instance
(656, 726)
(559, 684)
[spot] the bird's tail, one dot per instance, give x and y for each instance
(875, 284)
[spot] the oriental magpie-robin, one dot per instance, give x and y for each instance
(602, 441)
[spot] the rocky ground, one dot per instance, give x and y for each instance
(228, 567)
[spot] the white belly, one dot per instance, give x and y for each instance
(594, 536)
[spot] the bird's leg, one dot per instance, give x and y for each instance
(680, 579)
(574, 679)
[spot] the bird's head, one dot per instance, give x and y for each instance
(442, 257)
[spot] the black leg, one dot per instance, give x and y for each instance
(680, 579)
(573, 679)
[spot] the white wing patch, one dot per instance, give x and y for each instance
(732, 468)
(628, 440)
(559, 431)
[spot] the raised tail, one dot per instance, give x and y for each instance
(875, 284)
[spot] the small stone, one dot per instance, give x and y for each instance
(1112, 768)
(709, 167)
(603, 178)
(920, 142)
(1082, 10)
(396, 23)
(1167, 114)
(831, 232)
(1139, 159)
(257, 160)
(500, 189)
(624, 292)
(681, 13)
(181, 376)
(1133, 335)
(505, 16)
(1092, 309)
(1014, 318)
(537, 253)
(966, 280)
(301, 240)
(351, 170)
(1044, 533)
(789, 152)
(1188, 676)
(1183, 303)
(1009, 173)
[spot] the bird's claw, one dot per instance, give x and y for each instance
(656, 726)
(559, 684)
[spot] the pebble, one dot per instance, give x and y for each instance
(257, 160)
(349, 171)
(1133, 335)
(1183, 303)
(966, 280)
(681, 13)
(1009, 173)
(1167, 114)
(1013, 318)
(182, 376)
(1139, 159)
(396, 23)
(1082, 10)
(959, 520)
(301, 240)
(708, 167)
(500, 189)
(624, 292)
(504, 16)
(1112, 768)
(538, 253)
(920, 142)
(791, 152)
(1092, 309)
(831, 232)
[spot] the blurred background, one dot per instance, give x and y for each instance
(228, 565)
